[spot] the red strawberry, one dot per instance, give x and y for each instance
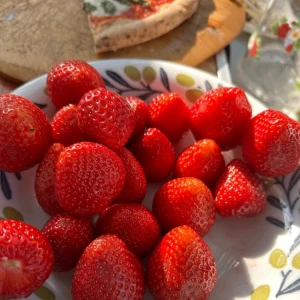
(181, 267)
(170, 114)
(88, 177)
(45, 180)
(25, 133)
(105, 117)
(202, 160)
(69, 80)
(108, 270)
(135, 186)
(155, 153)
(184, 201)
(64, 126)
(141, 112)
(272, 144)
(221, 115)
(26, 259)
(283, 30)
(132, 223)
(68, 236)
(239, 192)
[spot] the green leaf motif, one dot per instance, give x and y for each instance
(275, 28)
(297, 45)
(88, 7)
(296, 24)
(44, 293)
(11, 213)
(109, 7)
(283, 20)
(149, 74)
(297, 85)
(133, 73)
(185, 80)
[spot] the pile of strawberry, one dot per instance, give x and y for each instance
(96, 159)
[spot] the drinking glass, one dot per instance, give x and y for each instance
(270, 67)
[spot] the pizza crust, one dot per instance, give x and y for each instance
(115, 34)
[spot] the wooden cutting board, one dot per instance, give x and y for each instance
(35, 34)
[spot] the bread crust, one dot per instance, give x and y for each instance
(117, 33)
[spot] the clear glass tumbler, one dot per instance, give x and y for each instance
(270, 69)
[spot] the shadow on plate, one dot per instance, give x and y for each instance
(234, 283)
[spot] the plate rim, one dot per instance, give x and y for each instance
(146, 61)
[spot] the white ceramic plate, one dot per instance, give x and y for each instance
(242, 247)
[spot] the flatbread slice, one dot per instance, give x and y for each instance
(118, 24)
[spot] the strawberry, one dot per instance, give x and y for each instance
(132, 223)
(239, 192)
(88, 177)
(108, 270)
(155, 153)
(25, 133)
(26, 259)
(135, 186)
(65, 129)
(221, 115)
(105, 117)
(170, 115)
(271, 145)
(202, 160)
(181, 267)
(45, 180)
(68, 81)
(68, 236)
(184, 201)
(141, 112)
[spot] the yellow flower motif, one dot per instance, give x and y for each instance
(261, 293)
(296, 261)
(185, 80)
(193, 95)
(133, 73)
(149, 74)
(278, 259)
(293, 34)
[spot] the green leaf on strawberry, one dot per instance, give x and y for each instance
(283, 20)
